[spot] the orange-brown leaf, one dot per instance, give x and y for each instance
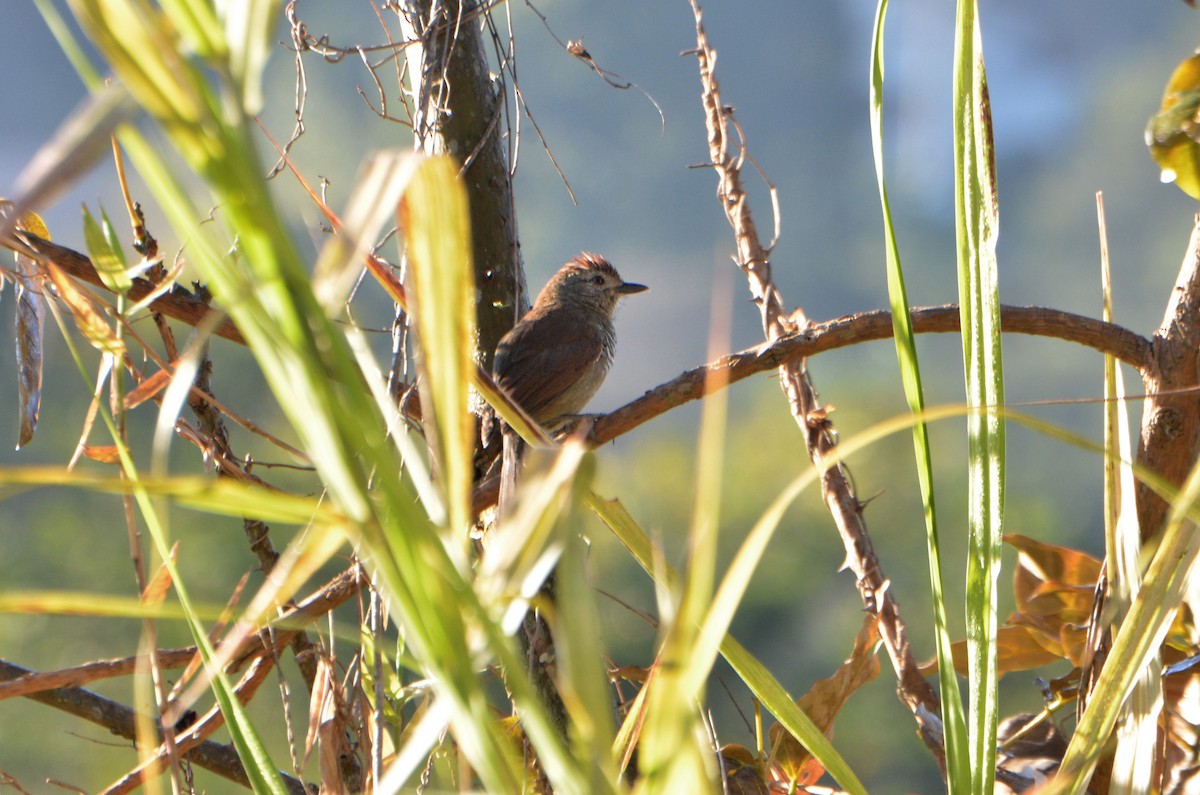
(1056, 563)
(1018, 648)
(147, 389)
(822, 703)
(160, 584)
(104, 453)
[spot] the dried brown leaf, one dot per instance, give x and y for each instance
(148, 388)
(87, 318)
(1018, 648)
(31, 311)
(822, 703)
(1054, 563)
(325, 727)
(321, 690)
(104, 453)
(159, 586)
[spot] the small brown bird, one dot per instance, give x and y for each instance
(556, 357)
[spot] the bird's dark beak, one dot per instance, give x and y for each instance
(629, 288)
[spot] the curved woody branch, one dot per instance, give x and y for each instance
(843, 332)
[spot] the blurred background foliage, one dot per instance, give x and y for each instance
(1071, 85)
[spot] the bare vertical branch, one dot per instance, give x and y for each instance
(459, 109)
(754, 260)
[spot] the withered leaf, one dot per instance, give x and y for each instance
(31, 311)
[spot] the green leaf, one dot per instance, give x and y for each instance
(762, 683)
(248, 27)
(105, 252)
(437, 231)
(669, 756)
(958, 762)
(977, 217)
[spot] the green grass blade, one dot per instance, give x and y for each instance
(71, 47)
(224, 496)
(761, 682)
(310, 368)
(958, 772)
(669, 757)
(108, 259)
(442, 288)
(977, 217)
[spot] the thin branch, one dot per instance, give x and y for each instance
(186, 742)
(178, 304)
(120, 720)
(843, 332)
(336, 592)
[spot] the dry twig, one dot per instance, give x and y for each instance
(836, 486)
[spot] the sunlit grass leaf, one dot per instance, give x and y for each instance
(98, 605)
(953, 721)
(523, 549)
(761, 682)
(371, 208)
(977, 222)
(1136, 755)
(775, 698)
(1137, 641)
(221, 496)
(70, 45)
(670, 753)
(106, 256)
(248, 28)
(580, 651)
(436, 226)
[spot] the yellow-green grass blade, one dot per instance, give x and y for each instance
(1138, 639)
(762, 683)
(670, 755)
(436, 230)
(977, 222)
(307, 363)
(221, 496)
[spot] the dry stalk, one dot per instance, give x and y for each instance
(820, 438)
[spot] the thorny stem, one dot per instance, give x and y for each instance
(836, 486)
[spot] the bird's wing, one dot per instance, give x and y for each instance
(543, 357)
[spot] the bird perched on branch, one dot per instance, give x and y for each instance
(553, 361)
(555, 358)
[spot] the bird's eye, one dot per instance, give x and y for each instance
(597, 279)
